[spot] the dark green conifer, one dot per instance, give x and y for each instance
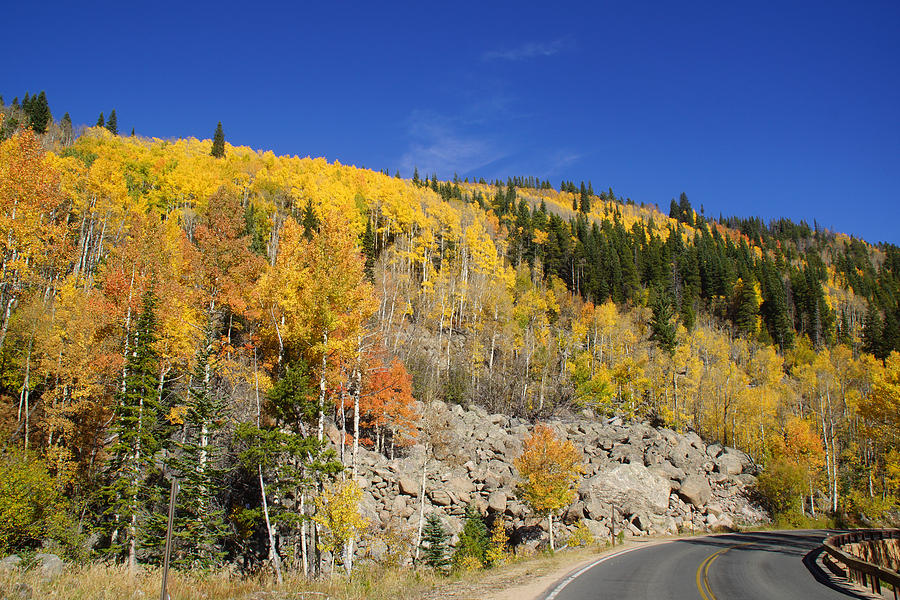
(310, 220)
(39, 113)
(101, 122)
(138, 434)
(434, 544)
(218, 143)
(112, 124)
(197, 462)
(473, 539)
(662, 324)
(368, 244)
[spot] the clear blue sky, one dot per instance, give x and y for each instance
(752, 108)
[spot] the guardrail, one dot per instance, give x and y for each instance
(861, 571)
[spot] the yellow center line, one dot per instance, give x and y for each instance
(703, 571)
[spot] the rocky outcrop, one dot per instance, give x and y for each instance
(637, 479)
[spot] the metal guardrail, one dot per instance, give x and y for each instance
(861, 571)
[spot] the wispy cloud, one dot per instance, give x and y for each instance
(529, 50)
(441, 144)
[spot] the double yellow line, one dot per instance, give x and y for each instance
(703, 571)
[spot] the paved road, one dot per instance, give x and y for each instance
(764, 565)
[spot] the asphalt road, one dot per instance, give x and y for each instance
(763, 565)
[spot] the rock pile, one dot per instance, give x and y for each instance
(638, 479)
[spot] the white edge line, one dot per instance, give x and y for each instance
(581, 571)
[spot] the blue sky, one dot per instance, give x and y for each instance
(766, 109)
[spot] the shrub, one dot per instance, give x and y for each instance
(32, 506)
(582, 536)
(496, 552)
(473, 539)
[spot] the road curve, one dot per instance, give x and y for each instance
(772, 565)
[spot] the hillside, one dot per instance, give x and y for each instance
(167, 311)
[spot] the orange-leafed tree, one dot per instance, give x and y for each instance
(549, 468)
(388, 406)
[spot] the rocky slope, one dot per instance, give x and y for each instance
(641, 479)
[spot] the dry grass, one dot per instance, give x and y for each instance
(100, 582)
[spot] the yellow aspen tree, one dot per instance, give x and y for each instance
(337, 513)
(549, 468)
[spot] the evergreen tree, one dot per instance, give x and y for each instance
(473, 539)
(662, 324)
(584, 204)
(199, 520)
(309, 221)
(66, 124)
(39, 113)
(101, 122)
(132, 132)
(112, 124)
(368, 247)
(434, 543)
(416, 181)
(218, 143)
(684, 207)
(873, 328)
(138, 437)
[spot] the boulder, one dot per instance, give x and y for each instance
(461, 485)
(729, 464)
(10, 563)
(408, 486)
(632, 488)
(597, 529)
(668, 470)
(722, 522)
(686, 457)
(50, 565)
(574, 513)
(695, 489)
(441, 497)
(497, 501)
(491, 482)
(714, 508)
(627, 453)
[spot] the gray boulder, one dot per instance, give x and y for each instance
(497, 501)
(632, 488)
(50, 565)
(695, 489)
(441, 497)
(408, 486)
(10, 563)
(729, 464)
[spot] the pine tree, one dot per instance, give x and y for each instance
(138, 436)
(415, 179)
(473, 539)
(368, 247)
(434, 544)
(101, 122)
(310, 220)
(218, 143)
(662, 325)
(39, 113)
(66, 124)
(112, 124)
(199, 520)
